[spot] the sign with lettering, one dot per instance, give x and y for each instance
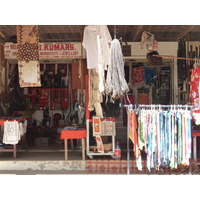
(49, 50)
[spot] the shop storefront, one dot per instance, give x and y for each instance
(76, 105)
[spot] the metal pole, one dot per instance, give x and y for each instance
(128, 132)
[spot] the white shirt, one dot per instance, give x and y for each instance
(90, 44)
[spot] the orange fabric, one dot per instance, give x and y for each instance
(72, 134)
(133, 133)
(96, 125)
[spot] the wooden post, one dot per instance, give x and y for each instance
(83, 148)
(188, 71)
(66, 149)
(87, 85)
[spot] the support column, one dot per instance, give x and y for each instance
(175, 96)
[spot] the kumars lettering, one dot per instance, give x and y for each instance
(54, 47)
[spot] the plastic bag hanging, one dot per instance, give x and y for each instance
(148, 41)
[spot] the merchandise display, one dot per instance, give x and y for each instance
(194, 92)
(127, 108)
(163, 132)
(28, 55)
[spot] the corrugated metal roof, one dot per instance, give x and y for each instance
(128, 33)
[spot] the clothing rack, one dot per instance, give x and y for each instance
(153, 106)
(138, 106)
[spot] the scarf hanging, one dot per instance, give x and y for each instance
(116, 85)
(165, 136)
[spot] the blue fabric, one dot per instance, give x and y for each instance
(171, 138)
(179, 146)
(149, 74)
(189, 137)
(175, 141)
(162, 137)
(149, 148)
(169, 153)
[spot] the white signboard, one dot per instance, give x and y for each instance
(49, 50)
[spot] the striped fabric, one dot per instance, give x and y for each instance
(120, 166)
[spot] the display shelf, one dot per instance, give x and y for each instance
(52, 98)
(92, 153)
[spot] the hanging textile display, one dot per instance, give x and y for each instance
(13, 131)
(181, 64)
(116, 85)
(149, 74)
(195, 92)
(102, 127)
(100, 68)
(164, 133)
(96, 126)
(128, 99)
(96, 41)
(92, 43)
(95, 97)
(97, 133)
(133, 134)
(28, 56)
(138, 74)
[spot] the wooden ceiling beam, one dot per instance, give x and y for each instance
(187, 29)
(137, 31)
(63, 40)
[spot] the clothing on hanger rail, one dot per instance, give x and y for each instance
(163, 132)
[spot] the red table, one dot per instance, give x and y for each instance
(73, 134)
(194, 136)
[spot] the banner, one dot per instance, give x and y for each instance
(48, 51)
(28, 56)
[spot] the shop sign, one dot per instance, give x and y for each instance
(48, 50)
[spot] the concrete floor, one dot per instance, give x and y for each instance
(54, 152)
(53, 172)
(48, 160)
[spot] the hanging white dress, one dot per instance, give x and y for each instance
(91, 45)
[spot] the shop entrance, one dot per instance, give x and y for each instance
(58, 103)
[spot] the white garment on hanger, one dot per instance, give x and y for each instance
(91, 46)
(22, 128)
(11, 132)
